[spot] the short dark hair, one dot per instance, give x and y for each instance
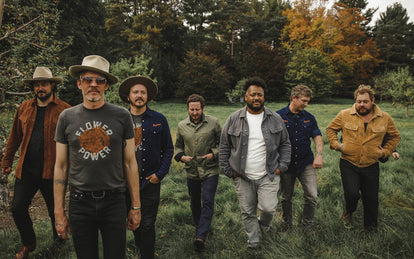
(196, 98)
(299, 90)
(257, 81)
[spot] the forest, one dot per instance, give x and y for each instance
(208, 47)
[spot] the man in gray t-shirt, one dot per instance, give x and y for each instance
(98, 140)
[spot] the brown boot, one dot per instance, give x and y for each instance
(25, 250)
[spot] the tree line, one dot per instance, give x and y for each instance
(208, 47)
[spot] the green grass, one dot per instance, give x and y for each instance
(175, 232)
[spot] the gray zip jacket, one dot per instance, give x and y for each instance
(235, 138)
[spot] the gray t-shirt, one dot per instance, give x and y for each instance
(96, 140)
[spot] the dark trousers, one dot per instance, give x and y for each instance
(24, 191)
(90, 215)
(361, 182)
(145, 233)
(202, 192)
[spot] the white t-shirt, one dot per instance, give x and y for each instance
(256, 151)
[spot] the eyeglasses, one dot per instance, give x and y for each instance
(89, 80)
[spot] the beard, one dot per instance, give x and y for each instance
(94, 100)
(44, 97)
(255, 108)
(138, 105)
(363, 113)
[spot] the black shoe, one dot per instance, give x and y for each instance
(199, 244)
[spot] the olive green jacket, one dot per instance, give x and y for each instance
(197, 140)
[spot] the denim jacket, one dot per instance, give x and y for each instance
(157, 146)
(235, 137)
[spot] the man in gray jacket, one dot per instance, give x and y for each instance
(254, 150)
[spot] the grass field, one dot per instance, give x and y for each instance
(330, 239)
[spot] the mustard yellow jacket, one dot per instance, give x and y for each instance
(363, 147)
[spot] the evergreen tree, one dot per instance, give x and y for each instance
(394, 36)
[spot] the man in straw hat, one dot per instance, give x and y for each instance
(98, 139)
(33, 130)
(153, 150)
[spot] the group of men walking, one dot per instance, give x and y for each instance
(114, 159)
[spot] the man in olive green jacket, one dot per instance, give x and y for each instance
(197, 145)
(363, 127)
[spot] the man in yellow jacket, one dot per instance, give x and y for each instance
(364, 126)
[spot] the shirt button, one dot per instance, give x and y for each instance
(196, 142)
(143, 129)
(143, 160)
(143, 139)
(143, 149)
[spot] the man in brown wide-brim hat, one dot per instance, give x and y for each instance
(153, 151)
(98, 139)
(33, 130)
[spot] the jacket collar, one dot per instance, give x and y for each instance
(189, 121)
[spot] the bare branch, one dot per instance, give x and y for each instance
(20, 94)
(20, 28)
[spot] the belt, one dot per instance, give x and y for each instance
(95, 194)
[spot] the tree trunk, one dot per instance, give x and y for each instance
(2, 2)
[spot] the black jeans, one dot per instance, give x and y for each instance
(90, 215)
(145, 233)
(361, 182)
(202, 203)
(24, 191)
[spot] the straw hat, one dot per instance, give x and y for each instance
(93, 63)
(43, 74)
(152, 88)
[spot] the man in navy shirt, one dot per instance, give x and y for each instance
(301, 126)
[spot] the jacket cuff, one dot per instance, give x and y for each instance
(179, 156)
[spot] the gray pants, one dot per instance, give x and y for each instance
(257, 194)
(309, 181)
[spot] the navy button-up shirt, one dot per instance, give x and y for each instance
(301, 127)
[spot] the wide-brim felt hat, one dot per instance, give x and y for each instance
(125, 86)
(43, 74)
(93, 63)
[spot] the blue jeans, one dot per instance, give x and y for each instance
(107, 215)
(361, 182)
(257, 194)
(309, 180)
(145, 233)
(24, 191)
(202, 191)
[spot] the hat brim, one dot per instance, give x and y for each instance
(152, 88)
(75, 71)
(57, 80)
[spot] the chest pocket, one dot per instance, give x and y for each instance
(156, 128)
(350, 132)
(234, 132)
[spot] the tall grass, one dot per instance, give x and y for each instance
(330, 239)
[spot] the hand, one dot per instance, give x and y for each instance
(396, 155)
(208, 156)
(153, 179)
(317, 162)
(186, 159)
(339, 148)
(278, 171)
(5, 170)
(134, 219)
(62, 226)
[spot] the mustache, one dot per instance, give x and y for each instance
(93, 89)
(139, 99)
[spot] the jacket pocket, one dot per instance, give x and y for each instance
(234, 132)
(350, 132)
